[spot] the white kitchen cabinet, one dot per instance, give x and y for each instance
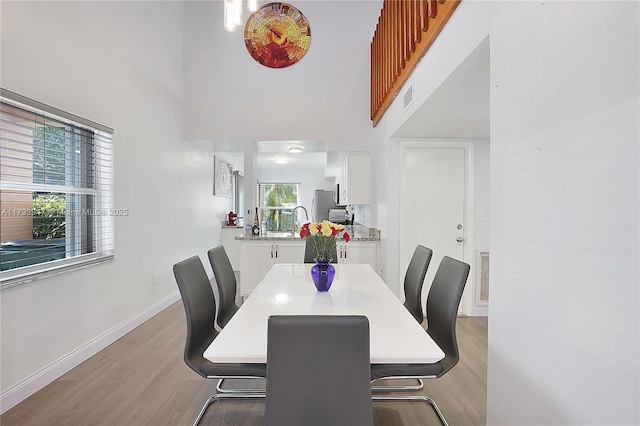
(289, 252)
(358, 252)
(355, 179)
(257, 257)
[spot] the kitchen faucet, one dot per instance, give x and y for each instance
(294, 219)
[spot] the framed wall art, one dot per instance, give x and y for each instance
(222, 173)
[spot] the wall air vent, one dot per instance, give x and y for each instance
(408, 97)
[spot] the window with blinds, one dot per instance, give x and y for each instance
(56, 190)
(276, 201)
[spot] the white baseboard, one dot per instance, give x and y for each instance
(21, 391)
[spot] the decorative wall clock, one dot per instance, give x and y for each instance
(277, 35)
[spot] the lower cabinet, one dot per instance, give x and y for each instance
(358, 252)
(257, 257)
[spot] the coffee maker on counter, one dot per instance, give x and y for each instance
(232, 219)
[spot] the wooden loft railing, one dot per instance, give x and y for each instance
(405, 31)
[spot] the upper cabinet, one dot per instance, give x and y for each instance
(355, 179)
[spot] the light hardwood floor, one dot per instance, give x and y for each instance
(142, 380)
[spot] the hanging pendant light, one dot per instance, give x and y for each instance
(229, 16)
(233, 13)
(237, 6)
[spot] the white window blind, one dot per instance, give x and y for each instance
(56, 190)
(276, 202)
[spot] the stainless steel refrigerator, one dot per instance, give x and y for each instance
(322, 202)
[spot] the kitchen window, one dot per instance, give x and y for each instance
(276, 202)
(56, 190)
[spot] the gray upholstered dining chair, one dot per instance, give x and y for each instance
(413, 281)
(308, 253)
(330, 355)
(442, 309)
(200, 307)
(226, 284)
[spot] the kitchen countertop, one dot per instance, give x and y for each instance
(357, 232)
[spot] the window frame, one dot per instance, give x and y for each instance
(264, 208)
(94, 222)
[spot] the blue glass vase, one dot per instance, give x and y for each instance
(322, 274)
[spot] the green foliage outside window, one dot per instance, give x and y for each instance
(49, 168)
(278, 195)
(49, 219)
(49, 155)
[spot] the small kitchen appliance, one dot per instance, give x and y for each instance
(232, 219)
(339, 216)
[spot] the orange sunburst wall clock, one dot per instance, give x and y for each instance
(277, 35)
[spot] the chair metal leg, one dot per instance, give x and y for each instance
(413, 398)
(204, 408)
(218, 396)
(417, 387)
(221, 390)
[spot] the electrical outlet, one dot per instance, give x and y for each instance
(154, 278)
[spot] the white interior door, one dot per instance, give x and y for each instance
(432, 205)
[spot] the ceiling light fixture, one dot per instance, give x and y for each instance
(295, 149)
(281, 159)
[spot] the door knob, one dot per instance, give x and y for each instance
(459, 239)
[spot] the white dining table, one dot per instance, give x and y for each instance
(287, 289)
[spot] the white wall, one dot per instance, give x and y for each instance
(564, 309)
(481, 193)
(564, 189)
(120, 64)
